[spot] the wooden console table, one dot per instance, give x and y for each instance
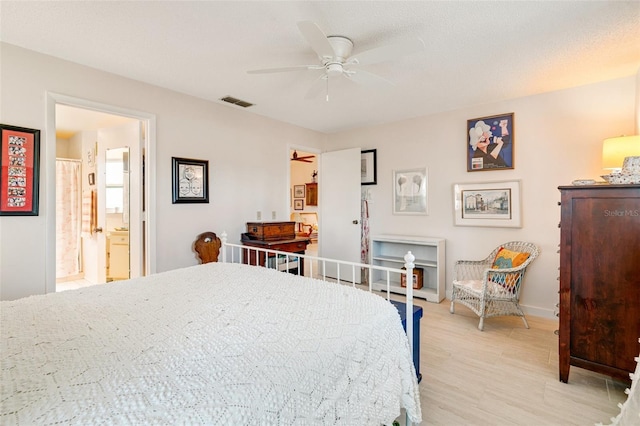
(291, 245)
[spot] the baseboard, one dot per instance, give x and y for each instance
(539, 312)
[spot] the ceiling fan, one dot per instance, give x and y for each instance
(304, 158)
(335, 58)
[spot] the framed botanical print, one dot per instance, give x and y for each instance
(410, 191)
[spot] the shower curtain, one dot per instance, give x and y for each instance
(68, 217)
(364, 234)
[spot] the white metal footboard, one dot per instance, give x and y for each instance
(233, 253)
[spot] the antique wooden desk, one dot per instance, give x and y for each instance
(278, 236)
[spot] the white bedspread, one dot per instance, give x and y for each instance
(216, 344)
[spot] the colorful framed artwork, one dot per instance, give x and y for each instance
(298, 191)
(494, 204)
(410, 191)
(368, 167)
(190, 180)
(298, 204)
(19, 171)
(490, 143)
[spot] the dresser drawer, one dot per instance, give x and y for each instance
(290, 247)
(119, 239)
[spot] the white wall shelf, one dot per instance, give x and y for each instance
(389, 251)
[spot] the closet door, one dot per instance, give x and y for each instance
(339, 189)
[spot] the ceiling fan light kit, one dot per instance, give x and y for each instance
(304, 158)
(341, 46)
(334, 53)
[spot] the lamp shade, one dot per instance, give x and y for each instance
(614, 150)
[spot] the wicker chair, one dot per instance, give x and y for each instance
(208, 247)
(491, 292)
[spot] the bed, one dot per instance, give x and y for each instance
(218, 343)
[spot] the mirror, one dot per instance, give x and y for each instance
(117, 213)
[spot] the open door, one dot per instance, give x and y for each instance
(119, 161)
(340, 210)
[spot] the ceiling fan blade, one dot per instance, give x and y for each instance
(367, 78)
(316, 38)
(317, 86)
(286, 69)
(306, 156)
(389, 52)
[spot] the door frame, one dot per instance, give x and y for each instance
(148, 216)
(317, 152)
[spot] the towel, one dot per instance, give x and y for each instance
(89, 212)
(86, 212)
(94, 211)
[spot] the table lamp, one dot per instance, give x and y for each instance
(298, 219)
(614, 151)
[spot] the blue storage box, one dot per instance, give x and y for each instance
(417, 314)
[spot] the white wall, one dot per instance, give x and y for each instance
(558, 138)
(557, 135)
(248, 158)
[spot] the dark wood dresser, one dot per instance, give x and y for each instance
(599, 279)
(278, 236)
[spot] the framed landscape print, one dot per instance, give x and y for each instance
(494, 204)
(190, 180)
(490, 143)
(298, 191)
(19, 171)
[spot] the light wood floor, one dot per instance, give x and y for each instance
(504, 375)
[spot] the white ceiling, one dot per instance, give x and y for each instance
(70, 120)
(476, 52)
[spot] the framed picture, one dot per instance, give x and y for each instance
(410, 191)
(190, 180)
(490, 143)
(19, 171)
(298, 204)
(368, 167)
(298, 191)
(488, 204)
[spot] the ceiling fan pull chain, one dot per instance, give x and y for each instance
(327, 88)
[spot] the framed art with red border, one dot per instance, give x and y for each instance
(19, 171)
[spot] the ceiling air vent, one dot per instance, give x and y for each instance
(236, 101)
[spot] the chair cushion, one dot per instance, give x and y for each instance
(475, 286)
(509, 259)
